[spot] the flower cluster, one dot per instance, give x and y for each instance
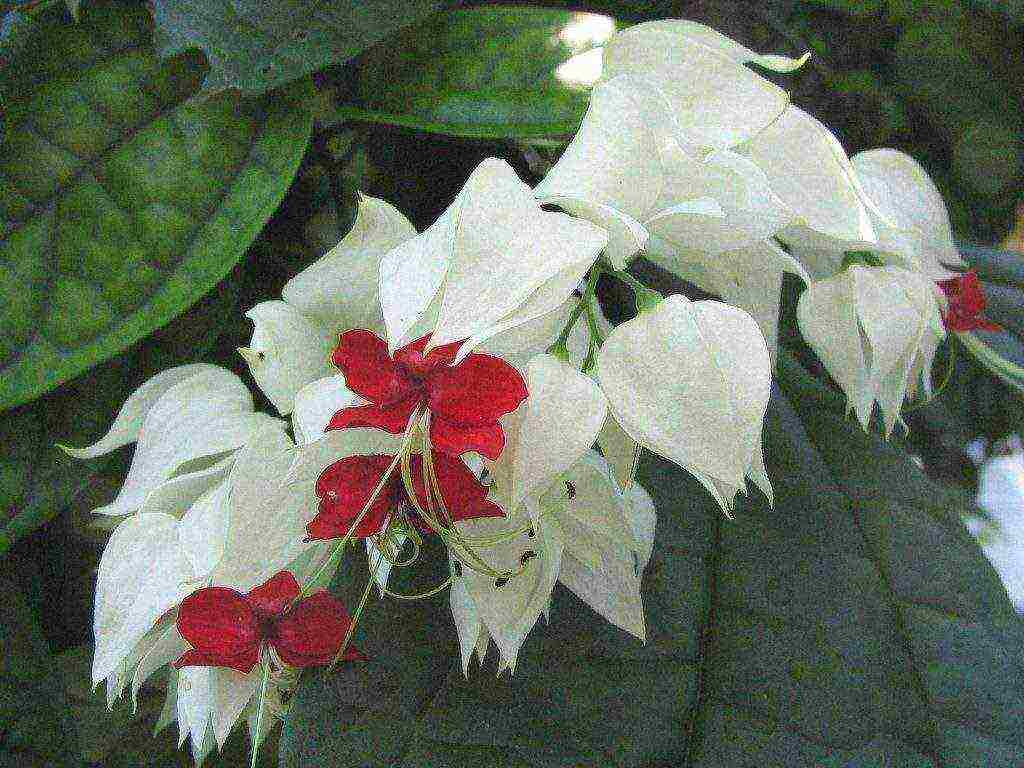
(462, 382)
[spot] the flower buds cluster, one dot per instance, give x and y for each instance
(462, 383)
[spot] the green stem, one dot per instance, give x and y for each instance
(1010, 373)
(646, 298)
(352, 624)
(590, 289)
(261, 705)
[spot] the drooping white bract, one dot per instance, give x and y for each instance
(554, 484)
(236, 535)
(493, 261)
(690, 381)
(707, 216)
(340, 290)
(505, 607)
(876, 329)
(548, 433)
(293, 338)
(715, 101)
(908, 212)
(808, 169)
(189, 417)
(606, 541)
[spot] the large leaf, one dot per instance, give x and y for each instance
(256, 45)
(856, 624)
(485, 73)
(39, 479)
(121, 200)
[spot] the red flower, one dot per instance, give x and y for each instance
(344, 487)
(226, 628)
(966, 303)
(465, 400)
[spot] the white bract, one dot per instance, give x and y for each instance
(876, 329)
(184, 418)
(690, 381)
(809, 171)
(707, 216)
(715, 101)
(596, 538)
(493, 261)
(292, 339)
(908, 212)
(237, 534)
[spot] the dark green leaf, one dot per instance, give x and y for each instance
(122, 200)
(256, 45)
(35, 727)
(855, 624)
(39, 479)
(485, 72)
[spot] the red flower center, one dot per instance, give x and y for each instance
(345, 487)
(227, 629)
(465, 400)
(966, 299)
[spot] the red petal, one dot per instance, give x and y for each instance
(274, 595)
(344, 488)
(219, 624)
(411, 357)
(391, 418)
(312, 632)
(243, 663)
(476, 392)
(464, 496)
(456, 439)
(369, 370)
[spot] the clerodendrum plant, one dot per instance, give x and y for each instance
(461, 383)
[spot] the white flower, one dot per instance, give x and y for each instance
(607, 541)
(586, 532)
(1001, 536)
(707, 216)
(876, 329)
(493, 261)
(237, 535)
(690, 381)
(292, 339)
(908, 212)
(810, 172)
(548, 433)
(506, 607)
(184, 418)
(715, 101)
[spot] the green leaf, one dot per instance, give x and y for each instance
(855, 624)
(256, 45)
(489, 72)
(122, 200)
(39, 479)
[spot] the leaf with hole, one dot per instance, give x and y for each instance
(508, 73)
(122, 200)
(257, 45)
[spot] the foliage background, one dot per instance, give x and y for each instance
(856, 625)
